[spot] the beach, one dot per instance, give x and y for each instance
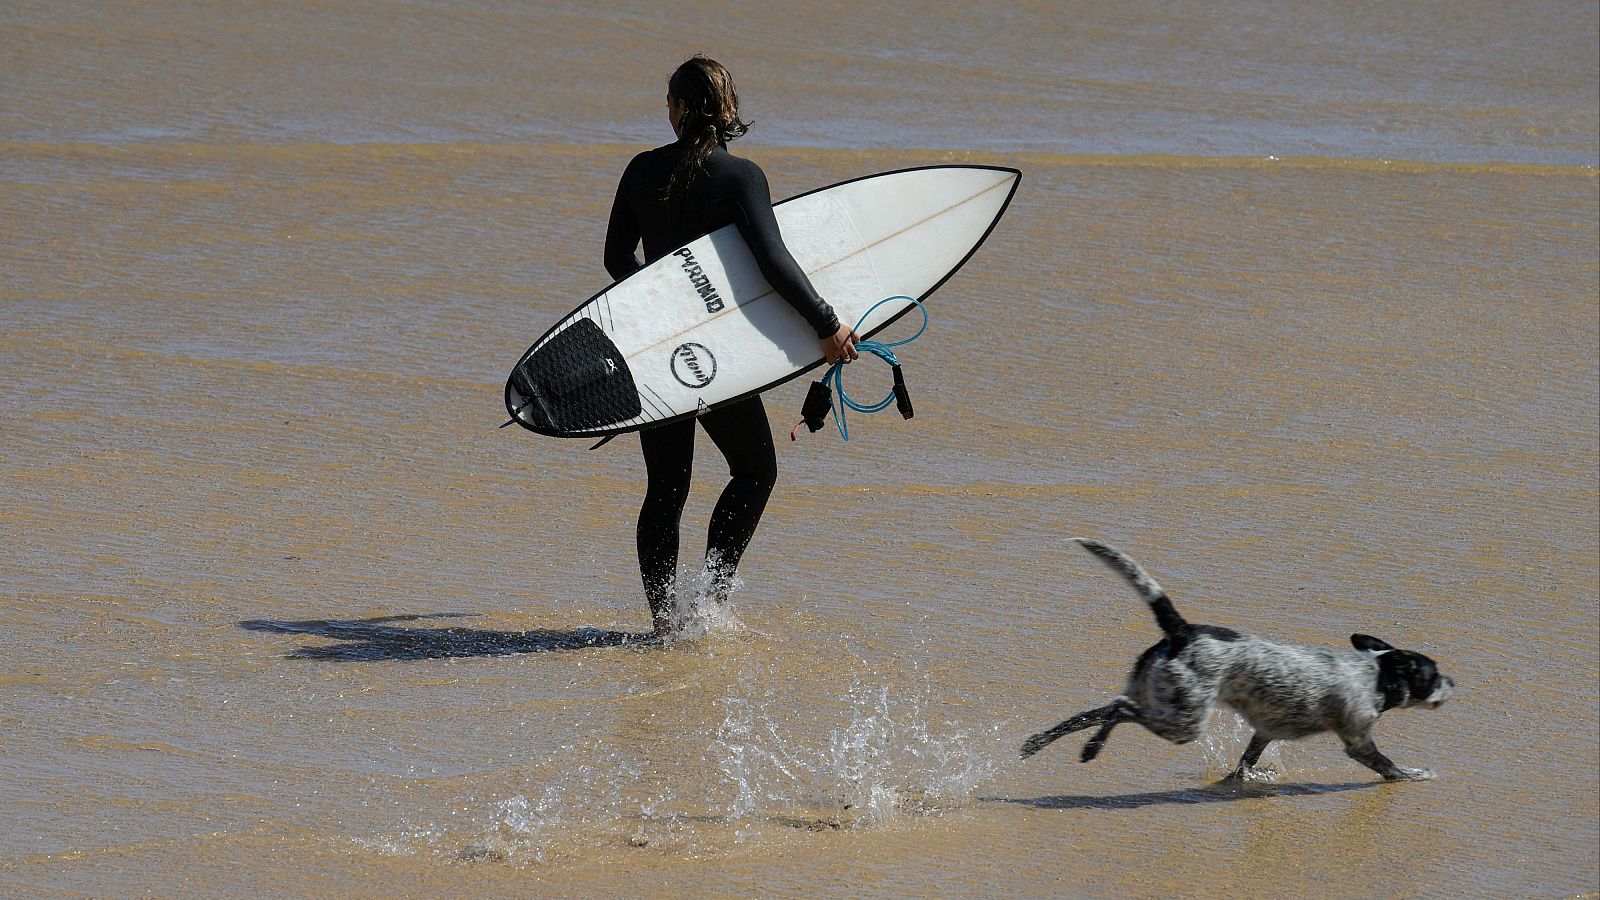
(1303, 312)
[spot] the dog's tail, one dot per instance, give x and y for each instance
(1160, 604)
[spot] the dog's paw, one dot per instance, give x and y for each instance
(1402, 774)
(1034, 745)
(1250, 775)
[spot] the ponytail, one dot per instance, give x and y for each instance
(710, 115)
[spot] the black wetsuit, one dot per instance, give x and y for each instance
(734, 191)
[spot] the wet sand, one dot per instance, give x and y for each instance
(1315, 335)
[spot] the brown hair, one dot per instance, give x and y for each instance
(710, 114)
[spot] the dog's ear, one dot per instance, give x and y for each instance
(1369, 643)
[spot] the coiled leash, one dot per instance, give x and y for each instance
(819, 400)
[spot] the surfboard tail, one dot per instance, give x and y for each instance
(576, 380)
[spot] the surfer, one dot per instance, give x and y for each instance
(668, 197)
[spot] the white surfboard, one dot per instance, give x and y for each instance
(701, 327)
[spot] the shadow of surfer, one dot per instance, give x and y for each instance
(1220, 792)
(372, 640)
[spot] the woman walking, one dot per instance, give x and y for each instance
(668, 197)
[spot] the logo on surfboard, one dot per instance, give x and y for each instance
(699, 281)
(693, 365)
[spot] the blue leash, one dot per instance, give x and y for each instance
(833, 378)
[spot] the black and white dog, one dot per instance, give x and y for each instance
(1283, 691)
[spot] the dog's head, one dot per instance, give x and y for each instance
(1405, 677)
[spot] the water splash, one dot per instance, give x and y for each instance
(1224, 743)
(704, 604)
(581, 808)
(776, 767)
(881, 759)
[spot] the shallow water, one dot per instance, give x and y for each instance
(1298, 306)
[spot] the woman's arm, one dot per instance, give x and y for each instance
(753, 214)
(622, 236)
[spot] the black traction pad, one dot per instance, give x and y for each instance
(576, 381)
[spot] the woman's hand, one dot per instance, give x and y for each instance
(840, 347)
